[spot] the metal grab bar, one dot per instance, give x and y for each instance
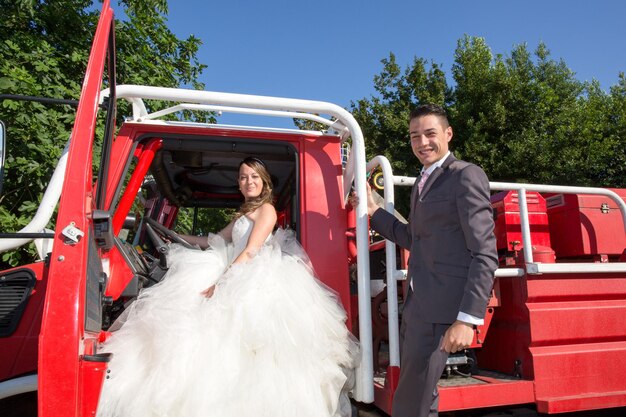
(523, 205)
(390, 270)
(543, 268)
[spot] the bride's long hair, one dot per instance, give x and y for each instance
(266, 193)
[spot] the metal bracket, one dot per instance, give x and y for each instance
(72, 234)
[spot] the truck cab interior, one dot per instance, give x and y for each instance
(191, 188)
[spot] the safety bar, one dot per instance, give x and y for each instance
(390, 269)
(46, 208)
(197, 100)
(544, 268)
(258, 112)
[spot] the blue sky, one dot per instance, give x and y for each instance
(330, 50)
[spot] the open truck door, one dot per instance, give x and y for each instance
(70, 372)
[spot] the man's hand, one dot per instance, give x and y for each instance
(459, 336)
(371, 204)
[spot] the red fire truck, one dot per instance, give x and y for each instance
(554, 338)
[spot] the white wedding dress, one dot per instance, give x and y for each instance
(270, 342)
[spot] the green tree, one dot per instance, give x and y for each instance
(526, 118)
(516, 117)
(522, 117)
(43, 52)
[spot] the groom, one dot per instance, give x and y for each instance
(452, 263)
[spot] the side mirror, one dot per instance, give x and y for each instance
(2, 147)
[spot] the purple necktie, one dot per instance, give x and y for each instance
(420, 184)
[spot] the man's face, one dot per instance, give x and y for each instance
(429, 138)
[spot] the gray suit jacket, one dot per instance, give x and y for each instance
(451, 240)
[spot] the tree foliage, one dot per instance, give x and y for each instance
(44, 47)
(522, 117)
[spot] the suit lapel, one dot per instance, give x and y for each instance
(436, 174)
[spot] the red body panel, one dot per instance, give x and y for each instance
(323, 213)
(587, 226)
(493, 393)
(19, 351)
(565, 334)
(507, 219)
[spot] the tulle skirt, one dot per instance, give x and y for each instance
(271, 341)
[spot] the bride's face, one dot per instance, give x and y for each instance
(250, 182)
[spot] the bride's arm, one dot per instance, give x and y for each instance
(196, 240)
(264, 219)
(203, 241)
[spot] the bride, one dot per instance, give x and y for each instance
(240, 329)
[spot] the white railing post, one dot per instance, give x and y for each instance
(525, 225)
(390, 260)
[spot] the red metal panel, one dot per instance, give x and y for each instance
(595, 401)
(586, 225)
(486, 392)
(594, 321)
(383, 390)
(120, 274)
(492, 394)
(324, 222)
(507, 219)
(566, 334)
(569, 287)
(580, 377)
(120, 150)
(505, 348)
(19, 351)
(578, 324)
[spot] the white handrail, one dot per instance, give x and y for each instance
(240, 110)
(390, 269)
(564, 189)
(532, 267)
(46, 208)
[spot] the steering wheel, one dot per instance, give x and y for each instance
(167, 233)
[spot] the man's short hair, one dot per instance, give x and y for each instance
(430, 109)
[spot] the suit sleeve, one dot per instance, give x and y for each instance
(391, 228)
(476, 219)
